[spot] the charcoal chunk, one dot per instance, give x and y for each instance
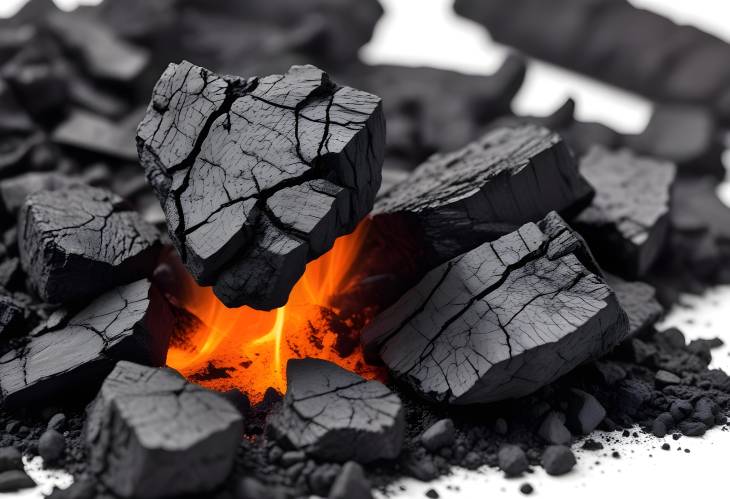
(627, 223)
(511, 176)
(652, 55)
(431, 110)
(71, 234)
(512, 460)
(553, 429)
(501, 320)
(10, 459)
(51, 446)
(72, 353)
(638, 300)
(351, 483)
(259, 176)
(664, 378)
(584, 413)
(336, 415)
(557, 460)
(89, 132)
(14, 190)
(152, 434)
(438, 435)
(12, 315)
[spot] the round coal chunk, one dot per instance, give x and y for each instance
(440, 434)
(557, 460)
(512, 460)
(51, 446)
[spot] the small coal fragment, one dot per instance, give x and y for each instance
(512, 460)
(259, 176)
(351, 483)
(526, 489)
(77, 232)
(336, 415)
(584, 413)
(69, 354)
(51, 446)
(431, 110)
(456, 201)
(692, 428)
(95, 134)
(438, 435)
(553, 429)
(557, 460)
(57, 422)
(14, 480)
(151, 434)
(652, 55)
(638, 300)
(10, 459)
(627, 223)
(501, 320)
(14, 190)
(664, 378)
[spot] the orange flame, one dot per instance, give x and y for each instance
(248, 349)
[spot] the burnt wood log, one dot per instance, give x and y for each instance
(433, 110)
(79, 241)
(502, 320)
(151, 434)
(259, 176)
(456, 201)
(627, 223)
(336, 415)
(652, 55)
(638, 299)
(71, 353)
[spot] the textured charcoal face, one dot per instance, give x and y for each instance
(502, 320)
(510, 176)
(259, 176)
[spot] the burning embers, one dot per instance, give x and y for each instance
(248, 349)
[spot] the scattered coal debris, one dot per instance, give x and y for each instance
(150, 433)
(326, 405)
(652, 56)
(454, 202)
(262, 176)
(68, 235)
(627, 223)
(502, 320)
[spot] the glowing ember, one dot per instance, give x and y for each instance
(248, 349)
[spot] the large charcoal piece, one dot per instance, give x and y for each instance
(259, 176)
(336, 415)
(616, 42)
(69, 354)
(502, 320)
(431, 110)
(459, 200)
(628, 221)
(152, 434)
(79, 241)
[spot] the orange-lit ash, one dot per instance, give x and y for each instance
(248, 349)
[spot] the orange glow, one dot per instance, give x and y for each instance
(248, 349)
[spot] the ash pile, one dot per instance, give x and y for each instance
(518, 264)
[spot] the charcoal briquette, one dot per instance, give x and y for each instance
(557, 460)
(512, 460)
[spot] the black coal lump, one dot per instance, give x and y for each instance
(456, 201)
(336, 415)
(627, 223)
(257, 177)
(502, 320)
(152, 434)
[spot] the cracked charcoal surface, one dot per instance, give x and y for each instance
(627, 222)
(638, 299)
(152, 434)
(72, 354)
(259, 176)
(69, 234)
(456, 201)
(502, 320)
(431, 110)
(336, 415)
(653, 56)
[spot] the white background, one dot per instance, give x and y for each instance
(427, 32)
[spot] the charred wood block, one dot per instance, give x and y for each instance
(336, 415)
(152, 434)
(502, 320)
(79, 241)
(638, 299)
(259, 176)
(627, 223)
(14, 190)
(457, 201)
(653, 55)
(423, 118)
(72, 353)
